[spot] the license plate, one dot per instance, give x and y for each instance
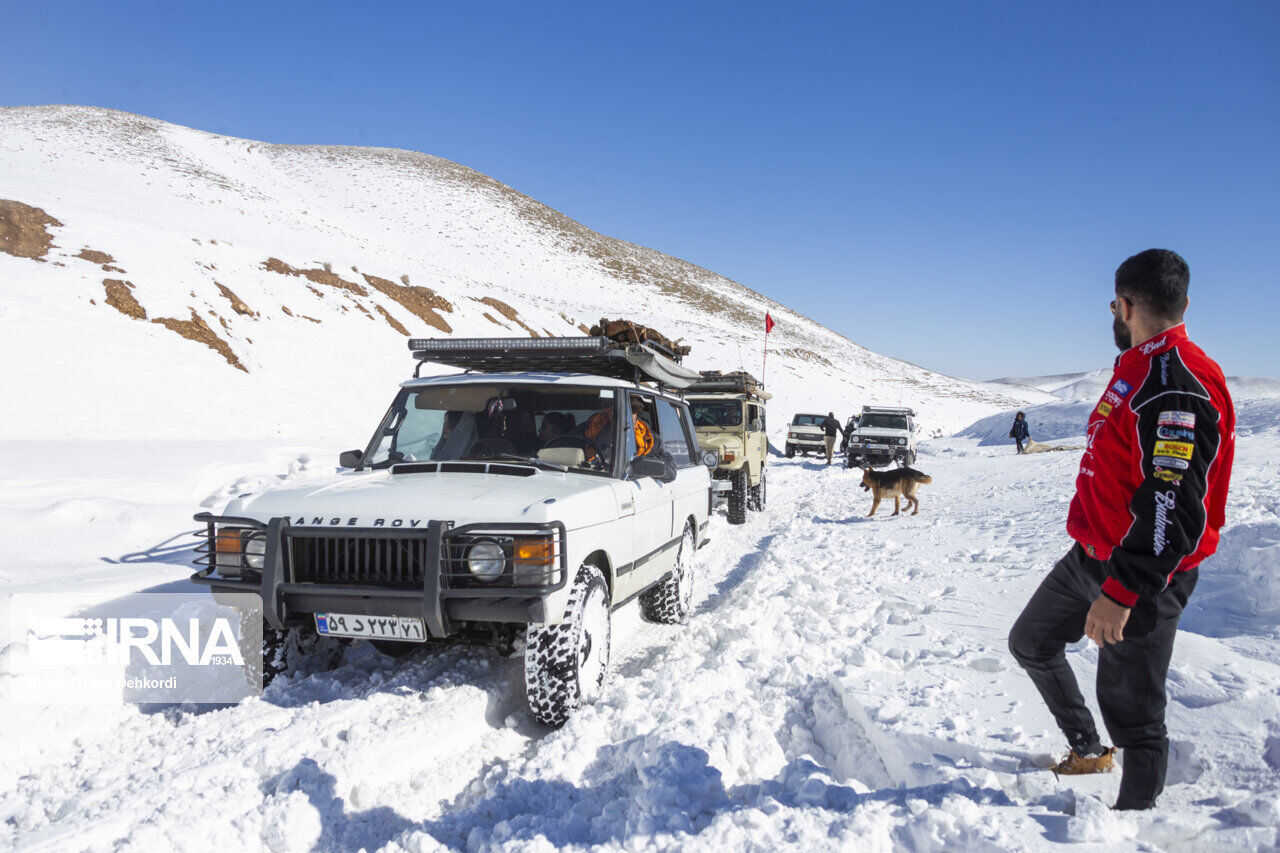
(877, 447)
(406, 629)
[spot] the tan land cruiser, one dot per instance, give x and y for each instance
(729, 416)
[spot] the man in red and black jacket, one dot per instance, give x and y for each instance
(1149, 504)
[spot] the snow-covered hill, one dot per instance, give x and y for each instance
(1071, 396)
(175, 283)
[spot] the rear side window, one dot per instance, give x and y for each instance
(674, 437)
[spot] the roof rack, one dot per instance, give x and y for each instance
(888, 410)
(736, 382)
(595, 355)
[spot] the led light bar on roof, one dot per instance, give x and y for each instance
(584, 344)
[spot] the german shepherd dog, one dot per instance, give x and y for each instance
(897, 483)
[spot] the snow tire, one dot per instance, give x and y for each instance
(565, 665)
(295, 651)
(670, 600)
(757, 495)
(738, 497)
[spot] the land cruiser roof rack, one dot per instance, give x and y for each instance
(594, 355)
(736, 382)
(888, 410)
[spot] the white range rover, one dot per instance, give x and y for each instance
(552, 482)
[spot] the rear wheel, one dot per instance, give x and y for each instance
(565, 665)
(738, 496)
(670, 600)
(757, 495)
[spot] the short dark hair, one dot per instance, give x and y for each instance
(1156, 279)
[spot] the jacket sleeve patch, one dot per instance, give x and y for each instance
(1104, 409)
(1177, 419)
(1175, 449)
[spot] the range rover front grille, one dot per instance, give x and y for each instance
(379, 560)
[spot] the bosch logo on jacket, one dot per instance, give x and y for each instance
(1152, 488)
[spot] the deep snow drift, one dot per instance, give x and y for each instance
(843, 684)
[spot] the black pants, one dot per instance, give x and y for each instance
(1131, 674)
(1019, 441)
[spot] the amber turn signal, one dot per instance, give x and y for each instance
(537, 552)
(228, 541)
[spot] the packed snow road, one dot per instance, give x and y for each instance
(842, 684)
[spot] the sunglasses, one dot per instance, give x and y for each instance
(1120, 299)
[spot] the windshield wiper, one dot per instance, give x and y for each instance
(528, 460)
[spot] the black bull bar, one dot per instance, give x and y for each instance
(443, 591)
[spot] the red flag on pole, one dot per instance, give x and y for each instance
(768, 327)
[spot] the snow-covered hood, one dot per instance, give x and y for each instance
(381, 499)
(813, 428)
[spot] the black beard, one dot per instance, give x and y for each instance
(1124, 339)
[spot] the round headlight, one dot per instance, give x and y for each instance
(486, 560)
(255, 551)
(902, 441)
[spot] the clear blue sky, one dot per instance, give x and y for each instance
(952, 183)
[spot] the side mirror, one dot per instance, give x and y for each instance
(350, 458)
(710, 458)
(647, 466)
(756, 425)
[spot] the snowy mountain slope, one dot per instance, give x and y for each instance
(259, 288)
(1073, 395)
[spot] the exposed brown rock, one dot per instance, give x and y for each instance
(510, 313)
(120, 297)
(582, 327)
(112, 268)
(492, 319)
(237, 304)
(196, 329)
(422, 302)
(392, 321)
(93, 256)
(318, 275)
(23, 230)
(285, 309)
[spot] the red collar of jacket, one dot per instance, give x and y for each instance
(1154, 345)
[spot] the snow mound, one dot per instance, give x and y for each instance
(1047, 422)
(1238, 592)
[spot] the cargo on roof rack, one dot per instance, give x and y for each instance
(736, 382)
(888, 410)
(594, 355)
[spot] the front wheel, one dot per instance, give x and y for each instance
(565, 665)
(670, 600)
(738, 497)
(791, 451)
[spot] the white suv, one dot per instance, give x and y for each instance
(542, 499)
(884, 434)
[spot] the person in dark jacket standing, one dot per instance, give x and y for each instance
(1150, 500)
(830, 429)
(1020, 433)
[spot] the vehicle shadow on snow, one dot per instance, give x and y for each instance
(639, 788)
(178, 549)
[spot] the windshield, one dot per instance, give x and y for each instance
(725, 413)
(808, 420)
(572, 427)
(879, 421)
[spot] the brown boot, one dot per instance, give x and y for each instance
(1079, 765)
